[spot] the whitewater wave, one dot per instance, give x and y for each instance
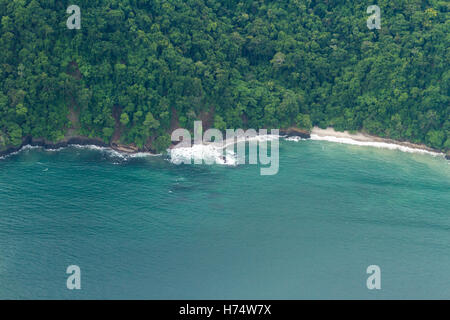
(115, 153)
(295, 139)
(111, 152)
(107, 150)
(24, 148)
(200, 152)
(376, 144)
(54, 150)
(217, 153)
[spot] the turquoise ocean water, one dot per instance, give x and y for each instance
(145, 228)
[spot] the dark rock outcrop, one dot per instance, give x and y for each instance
(54, 145)
(295, 132)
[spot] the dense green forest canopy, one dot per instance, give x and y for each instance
(139, 68)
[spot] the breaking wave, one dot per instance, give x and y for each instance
(217, 153)
(376, 144)
(111, 152)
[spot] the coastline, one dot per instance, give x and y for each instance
(33, 142)
(364, 139)
(328, 134)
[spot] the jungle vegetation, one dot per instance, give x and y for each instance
(137, 69)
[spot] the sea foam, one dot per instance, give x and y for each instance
(376, 144)
(217, 153)
(115, 153)
(111, 152)
(198, 152)
(294, 138)
(24, 148)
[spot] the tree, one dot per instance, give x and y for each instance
(151, 66)
(303, 121)
(124, 119)
(150, 122)
(162, 143)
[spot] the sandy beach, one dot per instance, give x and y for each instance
(363, 139)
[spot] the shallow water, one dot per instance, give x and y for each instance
(146, 228)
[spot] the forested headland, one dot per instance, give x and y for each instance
(137, 69)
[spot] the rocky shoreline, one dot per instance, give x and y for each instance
(79, 140)
(295, 132)
(130, 149)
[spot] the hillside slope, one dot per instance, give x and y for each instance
(137, 67)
